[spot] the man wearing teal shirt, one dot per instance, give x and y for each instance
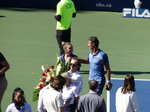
(64, 14)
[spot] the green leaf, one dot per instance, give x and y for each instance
(36, 91)
(35, 98)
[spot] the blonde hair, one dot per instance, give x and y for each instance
(64, 44)
(66, 75)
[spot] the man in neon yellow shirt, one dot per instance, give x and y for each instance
(64, 14)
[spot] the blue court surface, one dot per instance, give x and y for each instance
(142, 92)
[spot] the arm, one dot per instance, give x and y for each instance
(62, 109)
(40, 107)
(107, 67)
(30, 109)
(103, 106)
(108, 74)
(84, 61)
(9, 108)
(79, 109)
(74, 15)
(77, 99)
(57, 17)
(59, 12)
(79, 83)
(134, 103)
(5, 68)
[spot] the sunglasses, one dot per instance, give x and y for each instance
(71, 64)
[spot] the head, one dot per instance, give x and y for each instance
(58, 83)
(93, 85)
(18, 98)
(67, 47)
(67, 76)
(129, 84)
(18, 95)
(93, 42)
(75, 64)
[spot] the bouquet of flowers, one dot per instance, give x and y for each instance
(49, 74)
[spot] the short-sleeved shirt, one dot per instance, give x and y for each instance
(65, 8)
(77, 80)
(52, 100)
(2, 58)
(25, 108)
(97, 63)
(71, 92)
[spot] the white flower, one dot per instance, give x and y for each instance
(47, 78)
(53, 75)
(58, 69)
(58, 58)
(42, 67)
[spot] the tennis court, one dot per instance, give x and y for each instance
(27, 39)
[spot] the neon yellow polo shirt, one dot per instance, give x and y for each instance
(65, 8)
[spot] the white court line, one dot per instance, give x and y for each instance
(134, 79)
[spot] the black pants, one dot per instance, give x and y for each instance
(63, 35)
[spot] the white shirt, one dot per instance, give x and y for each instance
(126, 102)
(52, 100)
(70, 93)
(77, 80)
(40, 107)
(25, 108)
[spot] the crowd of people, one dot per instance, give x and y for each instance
(63, 93)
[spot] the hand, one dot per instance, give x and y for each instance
(68, 101)
(108, 86)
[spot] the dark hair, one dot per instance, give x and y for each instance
(58, 83)
(18, 105)
(93, 85)
(94, 40)
(129, 84)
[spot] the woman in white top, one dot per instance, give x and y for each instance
(126, 100)
(70, 91)
(19, 103)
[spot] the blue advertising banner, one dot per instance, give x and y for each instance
(136, 13)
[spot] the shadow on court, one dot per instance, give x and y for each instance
(2, 16)
(119, 72)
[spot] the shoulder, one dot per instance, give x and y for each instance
(88, 95)
(77, 74)
(11, 105)
(26, 104)
(72, 86)
(45, 88)
(119, 89)
(73, 55)
(102, 52)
